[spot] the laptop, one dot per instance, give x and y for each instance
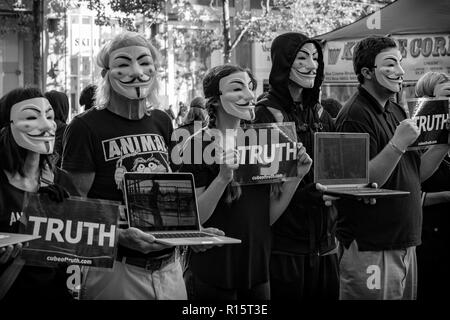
(7, 239)
(165, 206)
(341, 163)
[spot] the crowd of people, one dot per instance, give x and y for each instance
(297, 242)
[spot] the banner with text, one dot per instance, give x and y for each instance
(76, 231)
(421, 53)
(431, 115)
(267, 153)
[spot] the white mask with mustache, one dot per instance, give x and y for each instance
(236, 95)
(132, 71)
(33, 126)
(388, 70)
(304, 68)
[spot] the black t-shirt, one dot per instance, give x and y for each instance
(237, 266)
(436, 218)
(32, 282)
(102, 142)
(393, 223)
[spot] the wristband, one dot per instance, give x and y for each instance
(397, 149)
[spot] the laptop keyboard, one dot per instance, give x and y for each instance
(180, 235)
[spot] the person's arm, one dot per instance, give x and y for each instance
(431, 160)
(383, 164)
(210, 196)
(279, 205)
(432, 198)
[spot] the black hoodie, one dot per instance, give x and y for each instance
(307, 226)
(60, 105)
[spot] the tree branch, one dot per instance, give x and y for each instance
(244, 30)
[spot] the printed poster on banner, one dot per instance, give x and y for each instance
(267, 153)
(431, 115)
(77, 231)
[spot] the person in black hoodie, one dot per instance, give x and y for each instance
(303, 260)
(60, 104)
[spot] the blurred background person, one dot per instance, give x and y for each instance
(433, 84)
(182, 112)
(60, 105)
(87, 97)
(332, 106)
(197, 112)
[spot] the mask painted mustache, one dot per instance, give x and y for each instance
(245, 104)
(43, 134)
(137, 80)
(308, 73)
(395, 78)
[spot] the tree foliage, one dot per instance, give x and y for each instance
(311, 17)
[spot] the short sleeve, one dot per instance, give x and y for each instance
(78, 151)
(358, 127)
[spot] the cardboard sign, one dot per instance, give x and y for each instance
(267, 153)
(76, 231)
(431, 115)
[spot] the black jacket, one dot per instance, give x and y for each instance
(307, 226)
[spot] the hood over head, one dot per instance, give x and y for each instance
(60, 104)
(283, 51)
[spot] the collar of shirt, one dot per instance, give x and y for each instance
(374, 102)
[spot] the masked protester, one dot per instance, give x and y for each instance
(123, 134)
(433, 254)
(378, 257)
(27, 138)
(303, 260)
(246, 212)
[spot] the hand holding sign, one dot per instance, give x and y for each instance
(9, 252)
(405, 134)
(229, 162)
(304, 161)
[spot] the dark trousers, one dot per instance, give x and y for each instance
(304, 277)
(199, 290)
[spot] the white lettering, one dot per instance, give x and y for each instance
(54, 227)
(374, 20)
(37, 223)
(374, 280)
(103, 234)
(91, 227)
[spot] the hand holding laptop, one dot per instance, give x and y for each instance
(229, 163)
(10, 252)
(204, 247)
(136, 239)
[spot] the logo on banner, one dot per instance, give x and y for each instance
(333, 55)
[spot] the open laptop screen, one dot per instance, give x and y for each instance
(161, 202)
(341, 158)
